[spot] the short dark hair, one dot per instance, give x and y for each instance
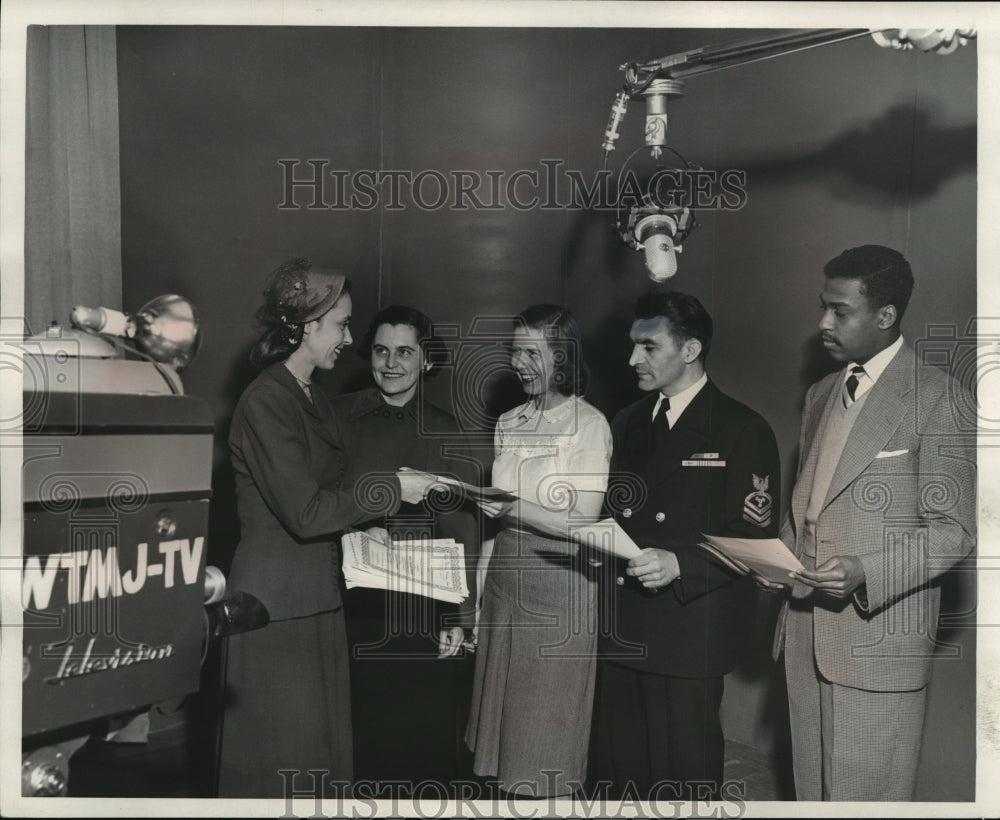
(685, 315)
(433, 348)
(884, 274)
(562, 332)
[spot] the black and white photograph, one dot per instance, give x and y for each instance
(527, 409)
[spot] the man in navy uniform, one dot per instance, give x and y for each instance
(696, 461)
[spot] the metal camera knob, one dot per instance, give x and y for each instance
(43, 780)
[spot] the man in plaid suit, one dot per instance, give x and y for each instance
(884, 503)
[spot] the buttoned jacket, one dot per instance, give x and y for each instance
(288, 456)
(711, 476)
(902, 500)
(380, 438)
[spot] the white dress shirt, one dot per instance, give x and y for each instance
(874, 368)
(679, 402)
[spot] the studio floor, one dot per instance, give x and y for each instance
(176, 762)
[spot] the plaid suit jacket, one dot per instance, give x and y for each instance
(903, 500)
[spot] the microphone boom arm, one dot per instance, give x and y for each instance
(713, 58)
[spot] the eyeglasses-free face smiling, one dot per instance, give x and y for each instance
(324, 338)
(397, 361)
(533, 360)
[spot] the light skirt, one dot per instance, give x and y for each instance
(533, 691)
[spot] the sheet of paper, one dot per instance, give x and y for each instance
(769, 557)
(606, 536)
(475, 493)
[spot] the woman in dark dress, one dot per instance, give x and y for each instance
(409, 675)
(288, 696)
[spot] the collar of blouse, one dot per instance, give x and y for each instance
(530, 410)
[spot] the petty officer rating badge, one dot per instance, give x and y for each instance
(757, 506)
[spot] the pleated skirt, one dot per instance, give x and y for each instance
(288, 707)
(533, 690)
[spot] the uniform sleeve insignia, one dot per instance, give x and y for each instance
(757, 506)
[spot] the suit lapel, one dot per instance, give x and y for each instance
(318, 408)
(881, 414)
(638, 439)
(687, 436)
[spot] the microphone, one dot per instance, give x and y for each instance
(656, 234)
(658, 230)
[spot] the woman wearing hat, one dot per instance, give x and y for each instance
(288, 695)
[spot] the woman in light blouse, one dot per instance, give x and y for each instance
(533, 690)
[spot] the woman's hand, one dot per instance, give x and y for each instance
(450, 641)
(496, 509)
(380, 534)
(415, 484)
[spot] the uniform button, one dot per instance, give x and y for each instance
(627, 512)
(660, 517)
(620, 581)
(399, 415)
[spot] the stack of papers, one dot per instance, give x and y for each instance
(434, 568)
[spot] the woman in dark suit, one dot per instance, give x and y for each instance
(407, 670)
(288, 698)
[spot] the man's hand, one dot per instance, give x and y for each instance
(839, 577)
(767, 585)
(655, 568)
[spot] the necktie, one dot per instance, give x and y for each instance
(661, 426)
(851, 385)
